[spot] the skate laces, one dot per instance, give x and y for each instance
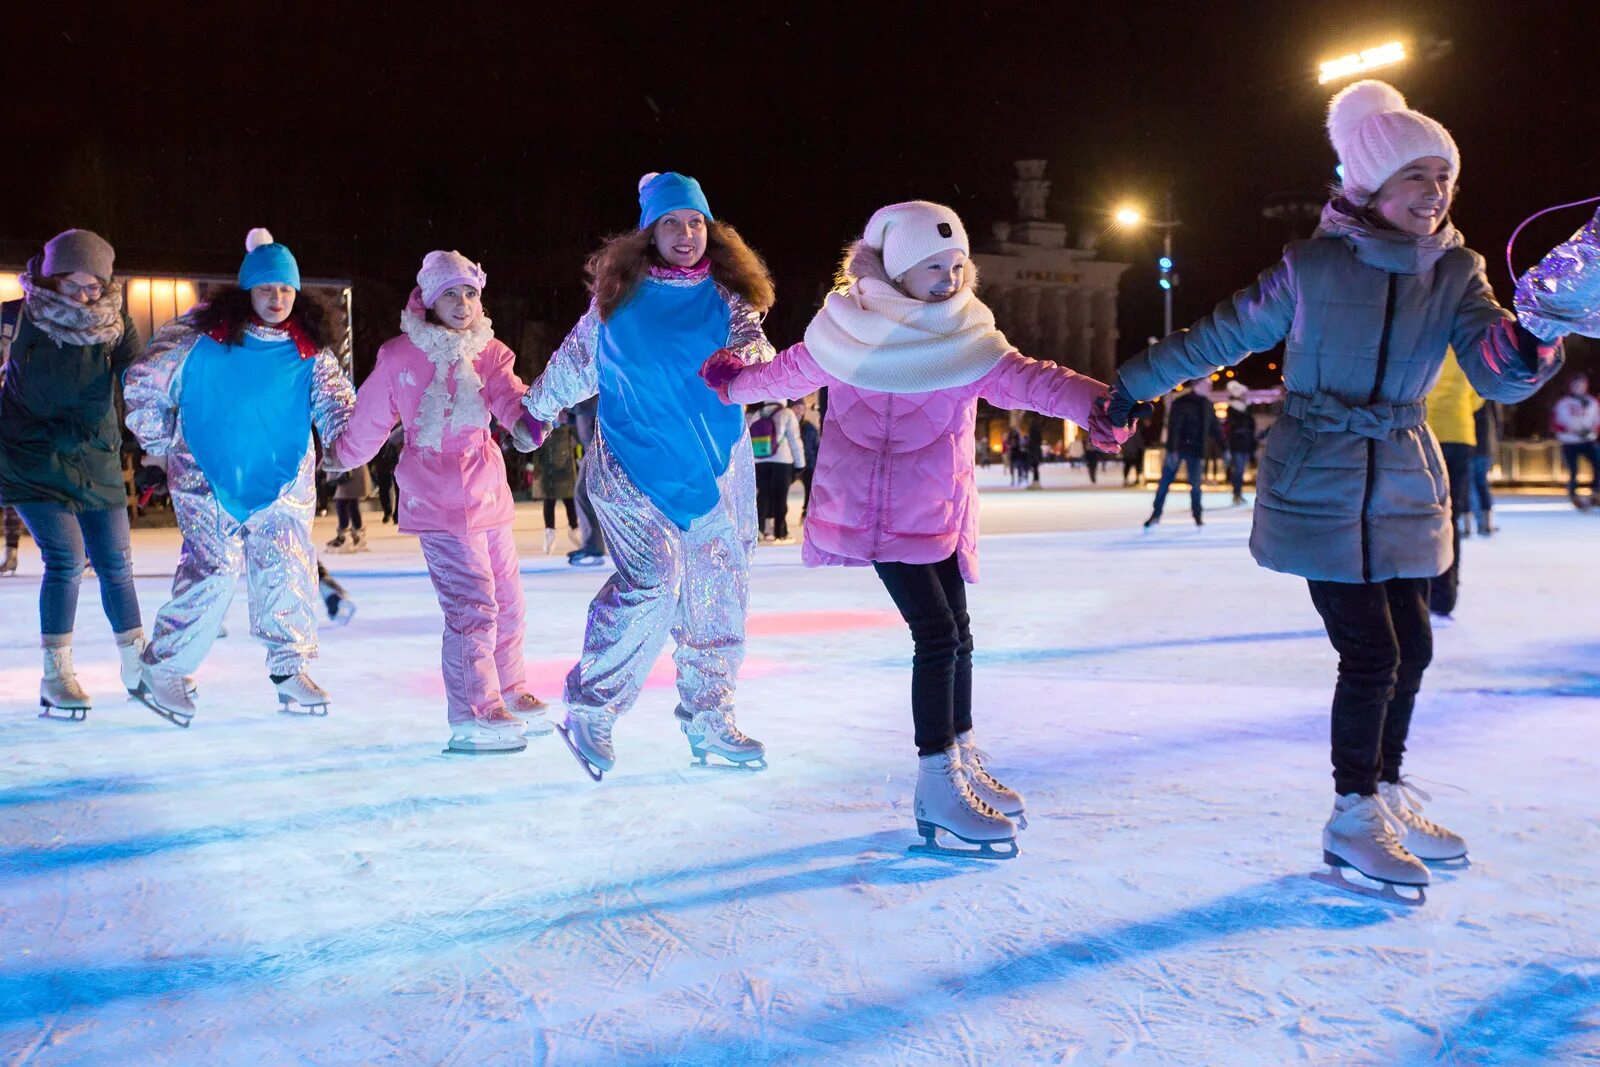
(722, 725)
(973, 759)
(1408, 805)
(1394, 829)
(956, 775)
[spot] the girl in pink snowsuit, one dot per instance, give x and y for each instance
(906, 349)
(443, 378)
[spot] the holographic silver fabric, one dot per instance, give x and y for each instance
(573, 376)
(693, 585)
(273, 548)
(1561, 295)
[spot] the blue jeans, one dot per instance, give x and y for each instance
(1482, 499)
(1570, 454)
(1169, 471)
(63, 537)
(1238, 463)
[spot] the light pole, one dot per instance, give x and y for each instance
(1130, 217)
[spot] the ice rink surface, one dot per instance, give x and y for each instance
(266, 890)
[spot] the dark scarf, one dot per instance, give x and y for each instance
(67, 322)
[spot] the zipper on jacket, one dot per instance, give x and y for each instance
(1372, 446)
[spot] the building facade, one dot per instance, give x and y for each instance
(1052, 300)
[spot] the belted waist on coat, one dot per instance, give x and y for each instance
(1324, 413)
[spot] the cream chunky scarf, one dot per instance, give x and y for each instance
(67, 322)
(873, 336)
(452, 353)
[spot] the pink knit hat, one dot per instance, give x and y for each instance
(441, 270)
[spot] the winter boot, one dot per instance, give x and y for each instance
(985, 786)
(715, 733)
(59, 689)
(945, 801)
(1423, 838)
(1363, 834)
(530, 711)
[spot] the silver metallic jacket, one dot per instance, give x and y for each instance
(150, 390)
(572, 375)
(1562, 294)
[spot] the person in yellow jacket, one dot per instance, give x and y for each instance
(1451, 404)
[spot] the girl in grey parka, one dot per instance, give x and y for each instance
(1352, 492)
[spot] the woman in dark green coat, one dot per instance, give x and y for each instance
(61, 449)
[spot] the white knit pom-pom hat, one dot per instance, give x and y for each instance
(908, 233)
(1375, 134)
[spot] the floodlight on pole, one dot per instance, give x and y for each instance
(1128, 216)
(1361, 62)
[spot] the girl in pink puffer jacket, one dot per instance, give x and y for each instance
(442, 378)
(906, 349)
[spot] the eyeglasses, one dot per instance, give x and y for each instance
(93, 290)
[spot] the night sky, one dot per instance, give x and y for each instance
(366, 137)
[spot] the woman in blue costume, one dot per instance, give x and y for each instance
(672, 478)
(225, 398)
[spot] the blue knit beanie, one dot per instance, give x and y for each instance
(669, 191)
(266, 262)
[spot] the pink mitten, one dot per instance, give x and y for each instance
(720, 369)
(1105, 435)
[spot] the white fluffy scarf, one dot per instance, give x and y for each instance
(452, 353)
(873, 336)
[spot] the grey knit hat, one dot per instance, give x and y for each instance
(78, 250)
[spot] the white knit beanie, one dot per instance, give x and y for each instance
(441, 270)
(1375, 134)
(909, 233)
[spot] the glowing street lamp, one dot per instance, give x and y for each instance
(1130, 217)
(1361, 62)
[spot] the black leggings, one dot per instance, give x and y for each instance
(349, 512)
(772, 495)
(932, 598)
(550, 513)
(1385, 641)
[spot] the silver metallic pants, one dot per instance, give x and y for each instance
(273, 549)
(693, 585)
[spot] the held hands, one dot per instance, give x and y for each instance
(1112, 417)
(1105, 434)
(719, 370)
(1122, 409)
(527, 433)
